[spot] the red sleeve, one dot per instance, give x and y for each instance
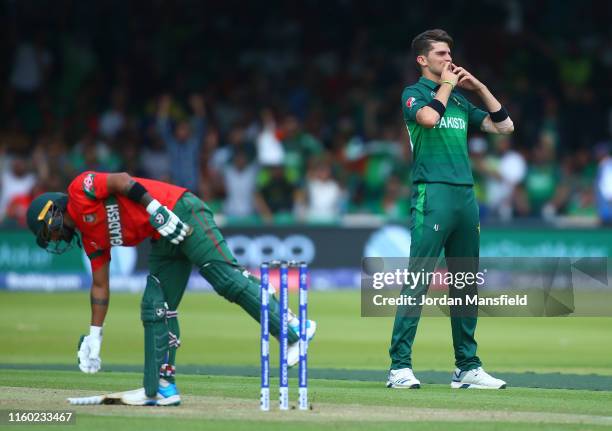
(97, 256)
(93, 184)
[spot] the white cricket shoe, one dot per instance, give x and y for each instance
(293, 350)
(475, 379)
(167, 395)
(403, 379)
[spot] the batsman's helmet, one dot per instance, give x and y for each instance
(46, 220)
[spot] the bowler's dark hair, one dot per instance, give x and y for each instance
(421, 44)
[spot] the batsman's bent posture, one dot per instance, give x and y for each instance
(444, 212)
(116, 209)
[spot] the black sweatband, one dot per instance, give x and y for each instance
(499, 116)
(136, 192)
(437, 106)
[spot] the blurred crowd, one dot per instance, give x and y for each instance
(286, 114)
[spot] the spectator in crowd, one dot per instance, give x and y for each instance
(299, 146)
(395, 200)
(544, 192)
(154, 159)
(236, 141)
(92, 153)
(582, 171)
(112, 121)
(477, 149)
(18, 179)
(275, 194)
(18, 206)
(212, 165)
(321, 198)
(214, 156)
(52, 153)
(503, 171)
(269, 148)
(31, 65)
(239, 183)
(183, 145)
(131, 159)
(382, 163)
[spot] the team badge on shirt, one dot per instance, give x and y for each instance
(89, 218)
(410, 102)
(88, 186)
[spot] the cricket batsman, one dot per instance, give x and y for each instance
(103, 210)
(444, 212)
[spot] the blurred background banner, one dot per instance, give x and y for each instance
(334, 253)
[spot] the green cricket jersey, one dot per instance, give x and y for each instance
(440, 154)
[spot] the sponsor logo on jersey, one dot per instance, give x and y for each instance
(113, 218)
(451, 123)
(410, 102)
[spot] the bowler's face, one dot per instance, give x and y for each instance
(439, 54)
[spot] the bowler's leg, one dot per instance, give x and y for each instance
(462, 251)
(429, 224)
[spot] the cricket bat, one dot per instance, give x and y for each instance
(116, 398)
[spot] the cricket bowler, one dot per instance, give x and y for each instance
(102, 210)
(444, 211)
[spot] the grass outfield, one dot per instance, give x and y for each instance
(40, 332)
(44, 327)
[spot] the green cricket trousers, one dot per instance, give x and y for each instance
(207, 250)
(444, 217)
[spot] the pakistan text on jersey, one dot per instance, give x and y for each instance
(451, 123)
(113, 218)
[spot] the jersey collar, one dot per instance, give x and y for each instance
(428, 83)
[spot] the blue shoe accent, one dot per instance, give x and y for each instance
(295, 327)
(168, 391)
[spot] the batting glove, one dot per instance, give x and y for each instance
(89, 350)
(166, 222)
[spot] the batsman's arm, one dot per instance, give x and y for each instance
(122, 183)
(99, 295)
(88, 352)
(162, 218)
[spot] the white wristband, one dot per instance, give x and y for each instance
(95, 331)
(153, 206)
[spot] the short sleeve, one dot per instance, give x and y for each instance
(475, 115)
(97, 257)
(412, 101)
(93, 185)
